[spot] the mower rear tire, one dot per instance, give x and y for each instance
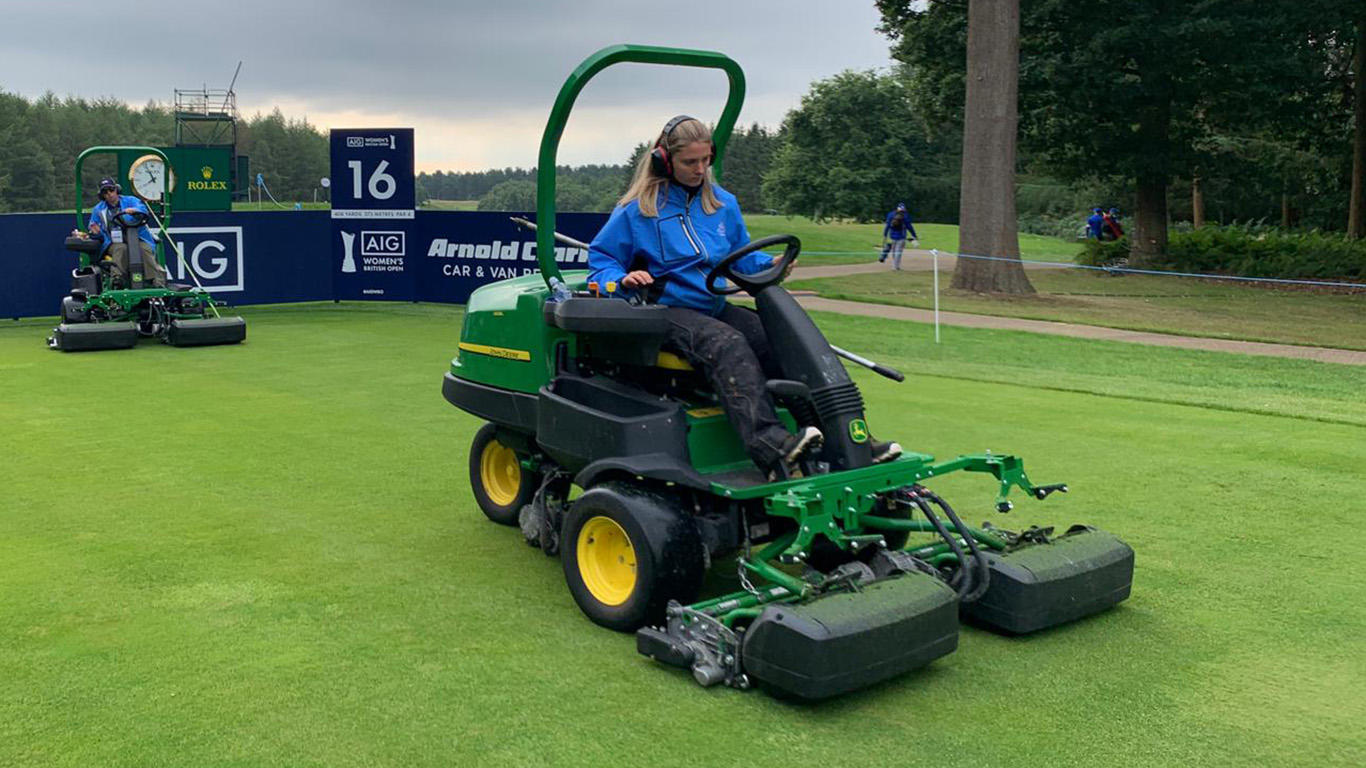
(74, 311)
(628, 551)
(501, 485)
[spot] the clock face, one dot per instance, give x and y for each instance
(146, 174)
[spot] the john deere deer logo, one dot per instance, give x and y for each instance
(206, 172)
(858, 431)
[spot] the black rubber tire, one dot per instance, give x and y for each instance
(74, 311)
(670, 558)
(503, 502)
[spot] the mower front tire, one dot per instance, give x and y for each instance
(627, 552)
(501, 485)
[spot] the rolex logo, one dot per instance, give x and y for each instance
(206, 172)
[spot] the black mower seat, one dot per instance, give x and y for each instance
(611, 316)
(618, 329)
(90, 245)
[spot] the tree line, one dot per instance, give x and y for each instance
(40, 139)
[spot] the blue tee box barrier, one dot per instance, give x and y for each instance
(271, 257)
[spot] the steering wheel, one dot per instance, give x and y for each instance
(130, 218)
(754, 283)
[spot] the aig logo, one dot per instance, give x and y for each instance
(376, 243)
(213, 253)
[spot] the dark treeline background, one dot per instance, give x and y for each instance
(1268, 137)
(39, 141)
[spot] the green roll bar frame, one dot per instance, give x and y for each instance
(166, 193)
(559, 116)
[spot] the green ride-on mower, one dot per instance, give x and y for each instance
(107, 310)
(832, 595)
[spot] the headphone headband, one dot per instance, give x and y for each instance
(660, 162)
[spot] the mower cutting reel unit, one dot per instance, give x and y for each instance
(846, 573)
(105, 310)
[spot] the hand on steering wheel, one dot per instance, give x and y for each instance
(754, 283)
(131, 217)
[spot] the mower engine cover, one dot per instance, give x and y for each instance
(844, 641)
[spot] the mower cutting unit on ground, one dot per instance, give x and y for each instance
(577, 392)
(108, 311)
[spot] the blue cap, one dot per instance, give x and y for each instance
(901, 206)
(108, 183)
(1114, 210)
(1095, 210)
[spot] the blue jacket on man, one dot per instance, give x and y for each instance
(680, 245)
(106, 216)
(890, 232)
(1095, 225)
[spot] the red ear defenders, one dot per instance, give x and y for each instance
(660, 162)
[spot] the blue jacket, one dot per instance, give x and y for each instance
(1095, 226)
(899, 234)
(682, 243)
(102, 214)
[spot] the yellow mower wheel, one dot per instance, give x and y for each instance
(628, 551)
(501, 485)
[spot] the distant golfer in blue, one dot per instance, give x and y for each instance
(894, 235)
(1095, 226)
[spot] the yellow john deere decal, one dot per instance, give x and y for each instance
(702, 413)
(858, 430)
(503, 352)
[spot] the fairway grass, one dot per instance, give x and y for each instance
(1157, 303)
(837, 242)
(268, 554)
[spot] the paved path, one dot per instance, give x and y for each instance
(1321, 354)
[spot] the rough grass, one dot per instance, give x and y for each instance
(845, 242)
(1184, 306)
(268, 554)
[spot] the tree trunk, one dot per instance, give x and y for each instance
(1356, 217)
(1197, 204)
(1285, 209)
(987, 223)
(1150, 222)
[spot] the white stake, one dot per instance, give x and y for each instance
(935, 252)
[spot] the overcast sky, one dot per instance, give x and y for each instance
(475, 79)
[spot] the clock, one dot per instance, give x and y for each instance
(146, 173)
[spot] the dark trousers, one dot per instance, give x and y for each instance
(152, 272)
(733, 352)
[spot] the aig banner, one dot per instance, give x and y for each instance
(373, 196)
(455, 252)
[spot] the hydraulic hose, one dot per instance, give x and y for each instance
(983, 568)
(962, 580)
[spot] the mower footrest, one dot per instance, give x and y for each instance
(1043, 585)
(845, 641)
(210, 330)
(76, 337)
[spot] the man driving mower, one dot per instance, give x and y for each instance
(104, 224)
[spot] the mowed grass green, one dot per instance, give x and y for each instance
(1176, 305)
(268, 554)
(842, 242)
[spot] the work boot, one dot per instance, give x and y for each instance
(794, 449)
(884, 451)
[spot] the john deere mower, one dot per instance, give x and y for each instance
(833, 594)
(106, 310)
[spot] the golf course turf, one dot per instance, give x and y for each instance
(269, 554)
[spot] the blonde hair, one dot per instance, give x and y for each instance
(646, 186)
